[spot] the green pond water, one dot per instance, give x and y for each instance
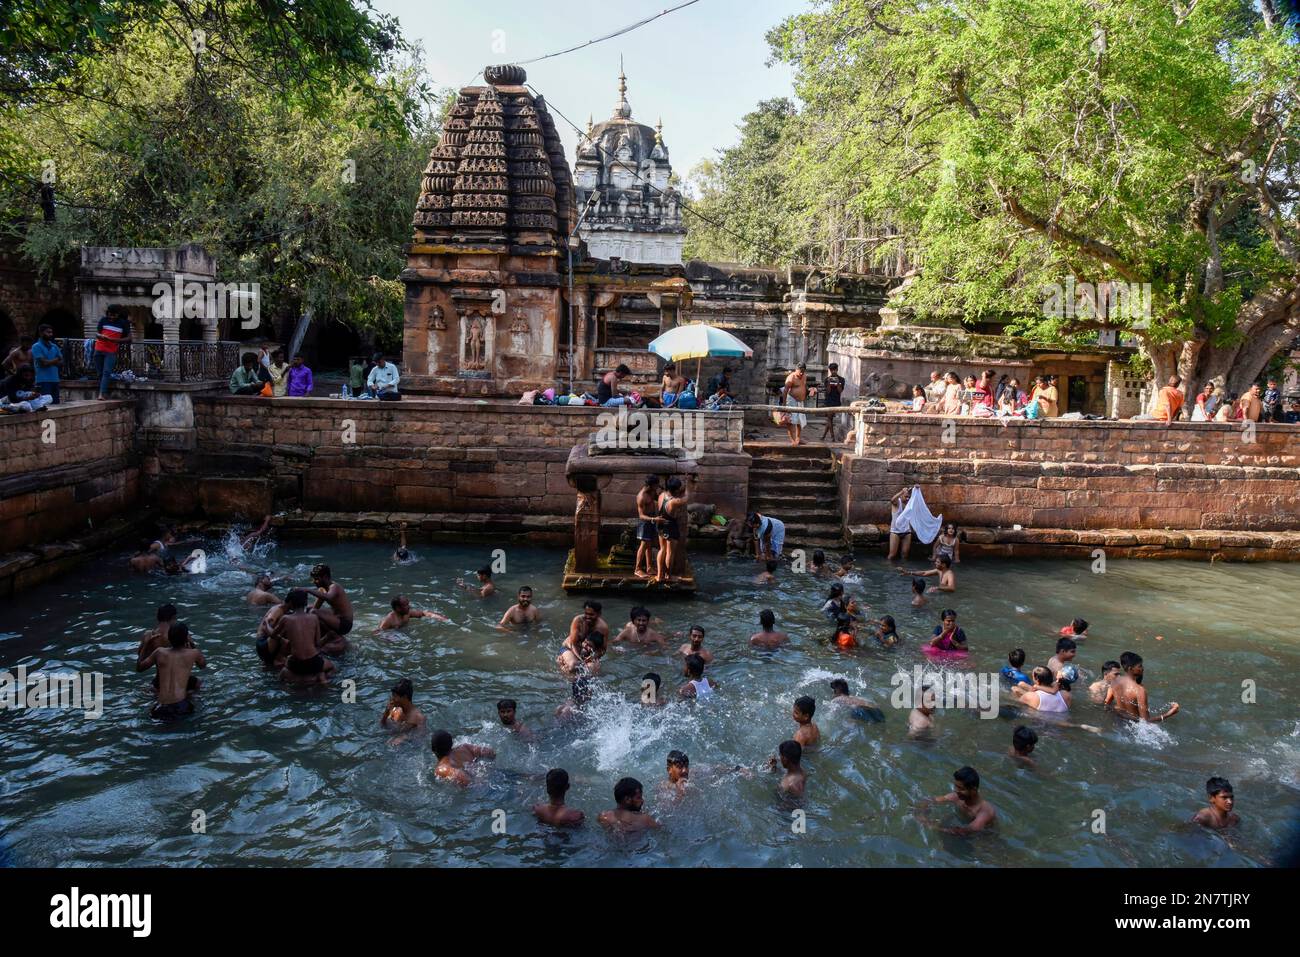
(303, 777)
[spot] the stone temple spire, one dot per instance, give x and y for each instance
(624, 109)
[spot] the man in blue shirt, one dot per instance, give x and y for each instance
(47, 360)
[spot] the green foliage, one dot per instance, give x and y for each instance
(251, 154)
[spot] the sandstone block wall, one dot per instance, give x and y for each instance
(62, 468)
(1078, 475)
(426, 455)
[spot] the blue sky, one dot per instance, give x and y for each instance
(701, 68)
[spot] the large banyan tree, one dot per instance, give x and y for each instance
(1026, 148)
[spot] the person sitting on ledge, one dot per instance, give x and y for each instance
(673, 384)
(247, 379)
(299, 381)
(1169, 402)
(19, 391)
(383, 379)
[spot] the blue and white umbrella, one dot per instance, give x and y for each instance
(696, 340)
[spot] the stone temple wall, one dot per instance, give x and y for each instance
(438, 458)
(1059, 475)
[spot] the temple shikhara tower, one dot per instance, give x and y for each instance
(485, 266)
(622, 168)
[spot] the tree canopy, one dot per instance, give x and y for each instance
(286, 137)
(1012, 149)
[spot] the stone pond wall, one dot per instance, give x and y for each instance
(435, 457)
(1057, 476)
(66, 470)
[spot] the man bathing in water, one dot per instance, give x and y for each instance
(484, 588)
(261, 593)
(301, 628)
(647, 527)
(942, 570)
(453, 758)
(807, 733)
(400, 714)
(638, 631)
(769, 637)
(695, 645)
(1110, 670)
(697, 686)
(629, 815)
(555, 812)
(402, 614)
(522, 612)
(589, 622)
(920, 720)
(176, 681)
(965, 797)
(860, 708)
(1219, 814)
(1128, 697)
(337, 620)
(272, 647)
(507, 708)
(1023, 740)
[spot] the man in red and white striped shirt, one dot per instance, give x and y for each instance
(113, 330)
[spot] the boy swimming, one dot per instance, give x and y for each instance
(402, 614)
(1013, 670)
(679, 773)
(790, 756)
(629, 814)
(1110, 670)
(1076, 629)
(555, 812)
(484, 588)
(1219, 812)
(807, 733)
(921, 718)
(918, 592)
(942, 570)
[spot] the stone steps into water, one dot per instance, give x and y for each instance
(798, 485)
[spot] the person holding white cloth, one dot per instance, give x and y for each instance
(910, 515)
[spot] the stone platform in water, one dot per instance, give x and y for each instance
(616, 577)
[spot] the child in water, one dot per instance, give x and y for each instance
(1219, 813)
(918, 592)
(844, 636)
(1109, 672)
(1023, 740)
(790, 754)
(555, 812)
(859, 708)
(1013, 670)
(921, 718)
(807, 734)
(400, 714)
(886, 630)
(1076, 629)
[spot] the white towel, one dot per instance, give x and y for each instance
(200, 564)
(915, 517)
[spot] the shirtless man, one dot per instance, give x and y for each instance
(337, 620)
(965, 797)
(452, 759)
(638, 631)
(1110, 670)
(673, 384)
(402, 555)
(920, 720)
(145, 559)
(507, 714)
(156, 637)
(1126, 694)
(1219, 814)
(176, 664)
(769, 637)
(402, 614)
(484, 588)
(695, 645)
(261, 593)
(629, 815)
(586, 623)
(795, 393)
(522, 612)
(400, 714)
(679, 774)
(555, 812)
(860, 708)
(942, 570)
(647, 527)
(305, 665)
(272, 647)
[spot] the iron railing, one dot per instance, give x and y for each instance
(194, 361)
